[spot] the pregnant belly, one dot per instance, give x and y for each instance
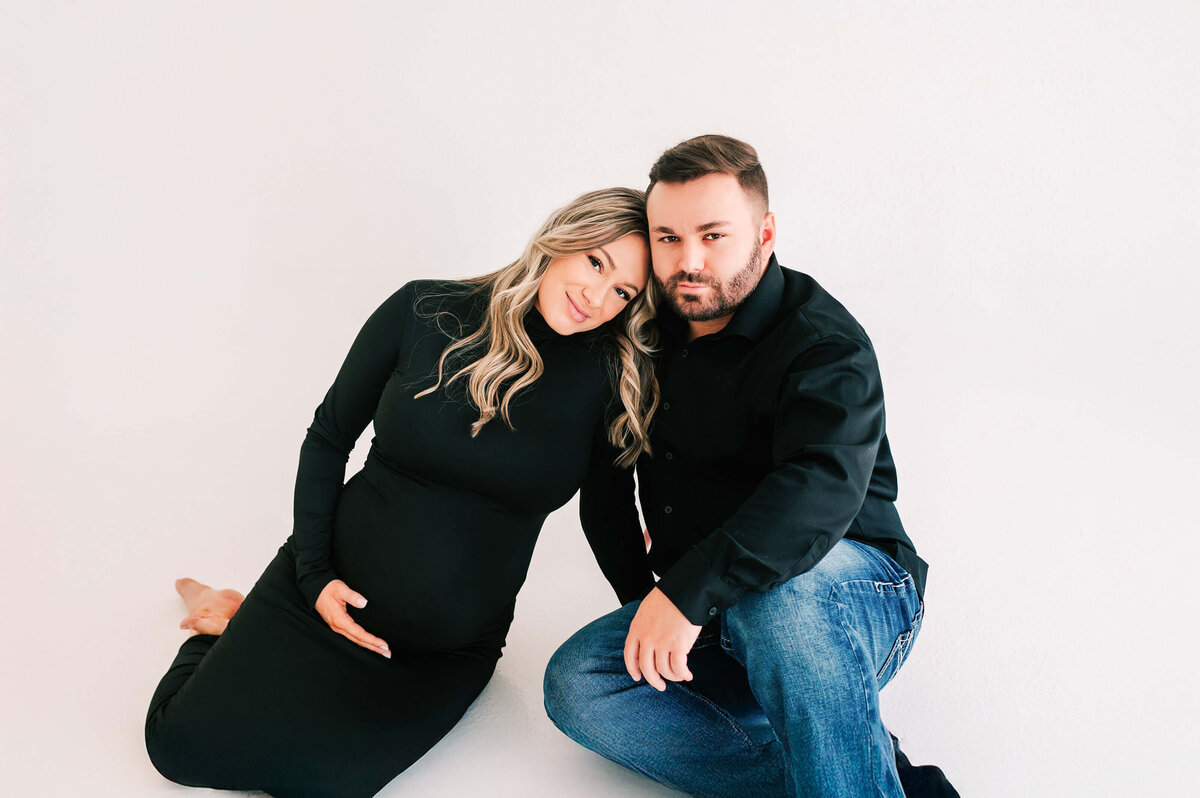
(440, 567)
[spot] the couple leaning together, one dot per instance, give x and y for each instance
(652, 331)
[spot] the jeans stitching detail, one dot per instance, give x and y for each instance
(592, 745)
(720, 711)
(866, 697)
(897, 651)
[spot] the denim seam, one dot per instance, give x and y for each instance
(898, 651)
(592, 745)
(720, 711)
(880, 585)
(866, 696)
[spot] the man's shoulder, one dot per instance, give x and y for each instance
(808, 313)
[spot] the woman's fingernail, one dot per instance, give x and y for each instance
(360, 603)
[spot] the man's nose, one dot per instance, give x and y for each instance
(691, 258)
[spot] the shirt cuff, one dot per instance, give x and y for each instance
(695, 589)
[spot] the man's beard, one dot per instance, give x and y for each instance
(722, 299)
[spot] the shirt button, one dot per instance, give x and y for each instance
(670, 456)
(683, 353)
(712, 611)
(666, 405)
(667, 509)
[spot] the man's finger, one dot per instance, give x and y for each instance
(679, 665)
(646, 661)
(662, 664)
(631, 653)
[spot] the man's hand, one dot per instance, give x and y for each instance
(658, 642)
(331, 605)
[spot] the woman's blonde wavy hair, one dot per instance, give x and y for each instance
(502, 359)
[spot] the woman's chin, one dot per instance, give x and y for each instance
(562, 327)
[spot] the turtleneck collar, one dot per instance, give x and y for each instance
(537, 328)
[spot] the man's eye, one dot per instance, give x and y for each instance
(714, 236)
(596, 264)
(669, 239)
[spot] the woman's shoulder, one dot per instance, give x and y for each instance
(434, 303)
(448, 295)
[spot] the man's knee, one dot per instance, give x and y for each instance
(580, 671)
(560, 684)
(568, 685)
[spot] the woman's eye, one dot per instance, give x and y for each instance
(621, 292)
(596, 264)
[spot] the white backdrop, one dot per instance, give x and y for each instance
(200, 202)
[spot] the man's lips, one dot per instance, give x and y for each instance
(576, 312)
(680, 283)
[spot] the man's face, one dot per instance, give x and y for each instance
(709, 241)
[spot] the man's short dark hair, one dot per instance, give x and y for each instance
(712, 154)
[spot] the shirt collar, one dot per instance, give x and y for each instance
(752, 318)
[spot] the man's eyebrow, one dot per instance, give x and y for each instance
(612, 265)
(702, 228)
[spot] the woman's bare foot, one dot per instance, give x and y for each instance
(209, 610)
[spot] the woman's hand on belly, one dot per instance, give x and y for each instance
(331, 605)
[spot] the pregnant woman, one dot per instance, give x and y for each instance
(382, 616)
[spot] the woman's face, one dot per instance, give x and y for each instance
(583, 291)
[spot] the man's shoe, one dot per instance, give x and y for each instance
(926, 781)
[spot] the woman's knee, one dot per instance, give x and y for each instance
(166, 749)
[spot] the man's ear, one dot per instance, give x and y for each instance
(766, 236)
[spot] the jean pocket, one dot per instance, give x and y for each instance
(895, 657)
(900, 649)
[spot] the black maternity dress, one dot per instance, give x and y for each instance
(436, 531)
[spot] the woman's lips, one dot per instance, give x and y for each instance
(577, 314)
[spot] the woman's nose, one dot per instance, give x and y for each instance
(588, 293)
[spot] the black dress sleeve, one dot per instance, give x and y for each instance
(348, 406)
(610, 522)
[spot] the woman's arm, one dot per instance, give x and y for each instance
(348, 406)
(609, 518)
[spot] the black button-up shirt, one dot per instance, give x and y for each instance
(769, 447)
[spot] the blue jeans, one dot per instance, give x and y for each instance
(784, 699)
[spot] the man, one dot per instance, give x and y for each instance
(789, 592)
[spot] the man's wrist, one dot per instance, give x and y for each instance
(695, 590)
